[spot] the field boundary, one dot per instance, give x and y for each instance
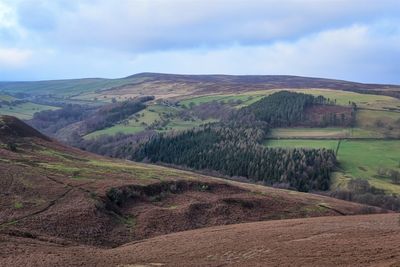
(334, 138)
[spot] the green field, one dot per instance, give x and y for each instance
(24, 111)
(179, 125)
(362, 100)
(152, 114)
(6, 98)
(362, 159)
(357, 159)
(245, 98)
(332, 133)
(369, 101)
(299, 132)
(292, 143)
(65, 87)
(367, 120)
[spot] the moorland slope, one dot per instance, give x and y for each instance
(57, 199)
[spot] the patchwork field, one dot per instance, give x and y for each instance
(363, 159)
(6, 98)
(377, 102)
(357, 158)
(62, 206)
(157, 117)
(24, 111)
(238, 100)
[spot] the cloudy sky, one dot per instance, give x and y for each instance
(355, 40)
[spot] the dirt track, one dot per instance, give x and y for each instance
(366, 240)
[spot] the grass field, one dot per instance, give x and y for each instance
(328, 132)
(65, 87)
(362, 100)
(332, 133)
(24, 111)
(6, 98)
(292, 143)
(125, 129)
(368, 118)
(362, 159)
(146, 117)
(357, 159)
(179, 125)
(246, 98)
(377, 102)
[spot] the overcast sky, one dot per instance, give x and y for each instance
(355, 40)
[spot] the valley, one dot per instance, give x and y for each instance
(116, 170)
(187, 104)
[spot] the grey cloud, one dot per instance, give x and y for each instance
(141, 25)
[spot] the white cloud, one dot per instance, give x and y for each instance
(353, 53)
(14, 58)
(355, 40)
(143, 25)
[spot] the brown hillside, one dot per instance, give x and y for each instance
(162, 85)
(11, 127)
(54, 195)
(367, 240)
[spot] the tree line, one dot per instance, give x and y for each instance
(233, 146)
(283, 109)
(91, 118)
(234, 149)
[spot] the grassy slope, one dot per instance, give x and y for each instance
(217, 83)
(362, 159)
(145, 118)
(329, 132)
(6, 98)
(246, 98)
(342, 98)
(64, 87)
(24, 111)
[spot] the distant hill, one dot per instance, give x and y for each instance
(159, 84)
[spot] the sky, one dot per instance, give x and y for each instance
(357, 40)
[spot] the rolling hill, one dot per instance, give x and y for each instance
(172, 85)
(58, 199)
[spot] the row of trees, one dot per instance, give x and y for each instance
(50, 121)
(359, 190)
(91, 118)
(232, 146)
(109, 115)
(115, 146)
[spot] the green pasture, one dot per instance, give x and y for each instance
(357, 159)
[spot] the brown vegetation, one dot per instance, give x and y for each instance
(57, 201)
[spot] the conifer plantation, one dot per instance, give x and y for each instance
(233, 147)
